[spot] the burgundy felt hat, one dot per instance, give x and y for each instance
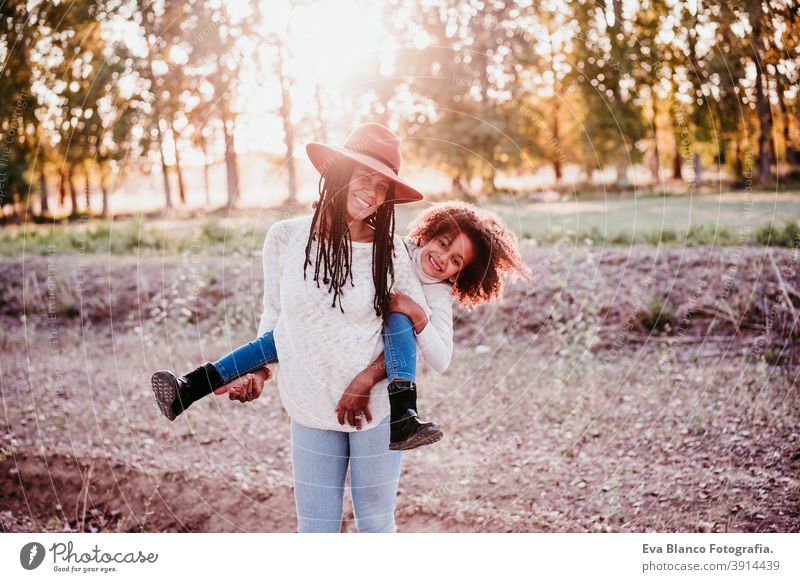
(374, 146)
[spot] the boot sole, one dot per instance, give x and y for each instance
(426, 436)
(165, 388)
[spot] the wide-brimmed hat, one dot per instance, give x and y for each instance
(374, 146)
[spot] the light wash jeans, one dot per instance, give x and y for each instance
(320, 459)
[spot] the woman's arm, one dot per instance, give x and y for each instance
(355, 398)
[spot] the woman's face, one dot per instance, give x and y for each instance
(446, 254)
(368, 190)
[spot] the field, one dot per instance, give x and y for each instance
(625, 389)
(728, 219)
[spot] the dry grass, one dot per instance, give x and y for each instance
(562, 411)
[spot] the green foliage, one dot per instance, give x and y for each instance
(775, 236)
(657, 316)
(656, 237)
(131, 237)
(772, 356)
(213, 232)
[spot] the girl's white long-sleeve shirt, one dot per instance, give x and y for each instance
(322, 348)
(436, 340)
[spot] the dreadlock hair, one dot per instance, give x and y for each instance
(495, 246)
(334, 252)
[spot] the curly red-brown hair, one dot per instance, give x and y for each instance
(496, 249)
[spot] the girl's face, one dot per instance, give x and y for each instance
(446, 254)
(367, 191)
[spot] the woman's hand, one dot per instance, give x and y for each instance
(247, 387)
(353, 406)
(402, 303)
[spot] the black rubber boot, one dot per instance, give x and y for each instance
(408, 431)
(174, 395)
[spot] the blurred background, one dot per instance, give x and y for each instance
(646, 153)
(135, 106)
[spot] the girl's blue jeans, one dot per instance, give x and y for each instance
(399, 352)
(320, 459)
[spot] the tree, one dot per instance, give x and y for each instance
(606, 59)
(17, 103)
(464, 86)
(161, 22)
(285, 112)
(221, 48)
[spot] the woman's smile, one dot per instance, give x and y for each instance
(367, 191)
(361, 199)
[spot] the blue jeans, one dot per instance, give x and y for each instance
(320, 459)
(249, 357)
(400, 348)
(399, 352)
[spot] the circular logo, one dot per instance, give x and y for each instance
(31, 555)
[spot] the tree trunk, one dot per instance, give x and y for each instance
(323, 127)
(73, 192)
(178, 169)
(762, 102)
(654, 168)
(488, 185)
(677, 165)
(655, 163)
(62, 187)
(288, 129)
(164, 169)
(738, 167)
(87, 192)
(231, 166)
(622, 176)
(104, 191)
(697, 166)
(165, 176)
(28, 207)
(589, 171)
(206, 172)
(290, 167)
(789, 152)
(765, 130)
(557, 165)
(43, 193)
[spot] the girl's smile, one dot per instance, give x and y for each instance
(445, 255)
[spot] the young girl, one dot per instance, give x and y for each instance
(457, 250)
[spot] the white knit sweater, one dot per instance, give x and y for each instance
(321, 348)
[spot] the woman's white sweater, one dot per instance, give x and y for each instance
(321, 348)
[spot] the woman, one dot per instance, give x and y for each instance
(326, 292)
